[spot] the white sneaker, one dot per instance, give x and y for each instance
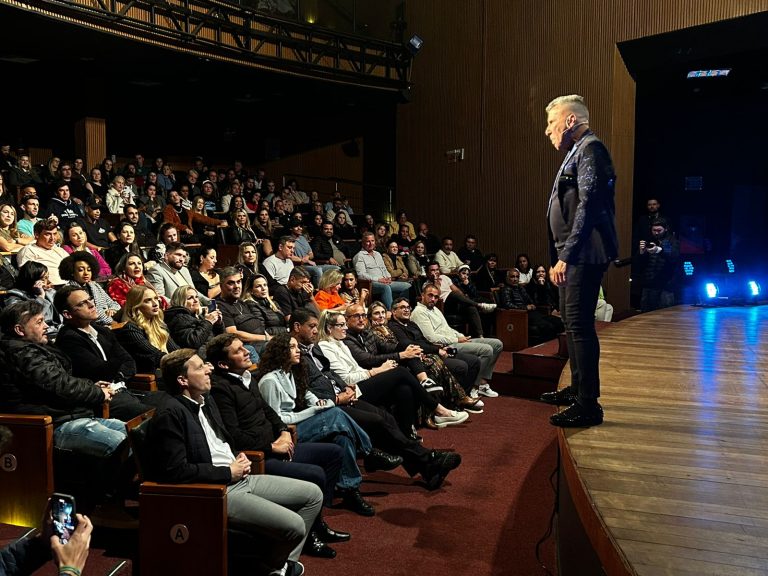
(486, 307)
(485, 390)
(454, 418)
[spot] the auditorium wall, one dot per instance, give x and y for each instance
(481, 82)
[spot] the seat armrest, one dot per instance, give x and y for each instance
(158, 488)
(257, 460)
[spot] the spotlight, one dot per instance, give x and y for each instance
(414, 44)
(753, 289)
(710, 288)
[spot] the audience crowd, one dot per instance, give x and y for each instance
(357, 331)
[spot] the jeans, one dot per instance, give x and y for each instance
(336, 426)
(90, 436)
(315, 462)
(388, 292)
(487, 349)
(577, 309)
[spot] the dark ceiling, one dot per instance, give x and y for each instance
(147, 94)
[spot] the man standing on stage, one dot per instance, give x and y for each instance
(582, 232)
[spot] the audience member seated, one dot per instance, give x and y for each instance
(44, 250)
(204, 274)
(129, 272)
(95, 185)
(489, 276)
(189, 443)
(23, 173)
(79, 269)
(455, 299)
(418, 260)
(118, 195)
(77, 241)
(257, 290)
(189, 325)
(433, 465)
(204, 232)
(401, 219)
(241, 230)
(279, 265)
(175, 214)
(153, 203)
(327, 297)
(541, 327)
(381, 237)
(94, 351)
(62, 206)
(254, 425)
(337, 208)
(436, 330)
(402, 386)
(74, 183)
(30, 207)
(343, 227)
(262, 226)
(431, 241)
(523, 265)
(124, 244)
(171, 273)
(297, 293)
(166, 234)
(37, 379)
(394, 262)
(240, 316)
(33, 284)
(542, 291)
(369, 265)
(11, 239)
(142, 226)
(349, 291)
(435, 369)
(328, 248)
(470, 255)
(302, 253)
(404, 239)
(448, 260)
(247, 261)
(143, 333)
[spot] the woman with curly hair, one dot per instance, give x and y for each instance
(79, 269)
(435, 368)
(144, 335)
(285, 387)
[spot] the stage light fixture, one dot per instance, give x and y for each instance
(711, 290)
(731, 266)
(688, 268)
(753, 289)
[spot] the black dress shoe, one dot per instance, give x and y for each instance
(328, 534)
(353, 500)
(563, 397)
(440, 464)
(577, 416)
(314, 546)
(378, 460)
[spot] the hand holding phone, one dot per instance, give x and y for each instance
(63, 516)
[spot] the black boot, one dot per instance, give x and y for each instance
(328, 535)
(378, 460)
(353, 500)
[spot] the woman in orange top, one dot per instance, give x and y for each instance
(327, 297)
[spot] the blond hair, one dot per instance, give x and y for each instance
(154, 327)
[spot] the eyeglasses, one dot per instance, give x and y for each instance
(360, 315)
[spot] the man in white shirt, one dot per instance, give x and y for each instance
(370, 266)
(448, 259)
(280, 264)
(436, 330)
(44, 250)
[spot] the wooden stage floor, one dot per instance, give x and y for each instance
(677, 475)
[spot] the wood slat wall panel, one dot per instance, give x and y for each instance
(481, 82)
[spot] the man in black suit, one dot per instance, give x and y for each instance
(94, 351)
(582, 232)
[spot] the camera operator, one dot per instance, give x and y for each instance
(658, 259)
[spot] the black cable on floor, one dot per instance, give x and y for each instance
(553, 482)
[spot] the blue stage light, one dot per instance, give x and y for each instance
(753, 288)
(731, 266)
(711, 289)
(688, 268)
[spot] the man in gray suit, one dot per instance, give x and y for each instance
(582, 233)
(171, 273)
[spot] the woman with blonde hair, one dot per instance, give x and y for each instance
(144, 334)
(241, 230)
(190, 325)
(327, 297)
(11, 240)
(118, 195)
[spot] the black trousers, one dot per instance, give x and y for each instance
(467, 309)
(315, 462)
(400, 390)
(386, 435)
(578, 299)
(465, 368)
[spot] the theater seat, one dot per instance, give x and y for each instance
(182, 527)
(26, 469)
(511, 326)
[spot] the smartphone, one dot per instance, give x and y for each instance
(212, 306)
(63, 515)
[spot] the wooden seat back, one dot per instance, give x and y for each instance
(26, 469)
